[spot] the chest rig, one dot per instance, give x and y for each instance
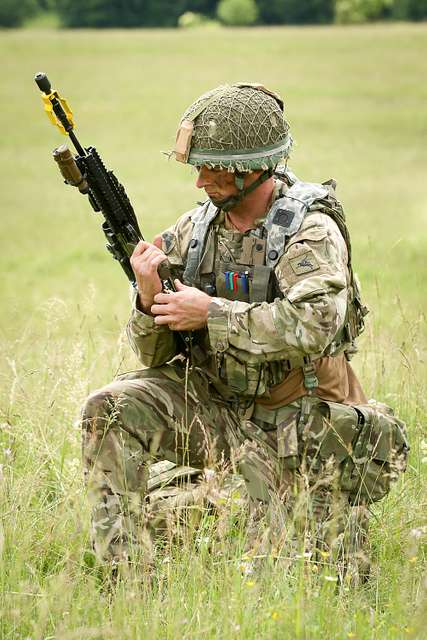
(240, 266)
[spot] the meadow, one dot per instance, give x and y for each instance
(356, 100)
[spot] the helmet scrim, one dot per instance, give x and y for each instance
(239, 127)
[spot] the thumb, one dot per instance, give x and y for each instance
(157, 241)
(179, 286)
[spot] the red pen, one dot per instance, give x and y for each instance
(235, 277)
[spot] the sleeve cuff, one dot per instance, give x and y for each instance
(143, 322)
(218, 322)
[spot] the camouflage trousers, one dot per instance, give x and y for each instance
(168, 413)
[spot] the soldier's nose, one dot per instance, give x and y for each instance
(202, 178)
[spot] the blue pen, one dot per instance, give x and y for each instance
(245, 281)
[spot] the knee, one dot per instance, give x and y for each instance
(98, 411)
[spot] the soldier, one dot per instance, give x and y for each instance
(266, 292)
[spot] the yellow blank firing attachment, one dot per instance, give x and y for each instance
(48, 107)
(57, 109)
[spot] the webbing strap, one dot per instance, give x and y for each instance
(283, 220)
(260, 283)
(202, 219)
(286, 216)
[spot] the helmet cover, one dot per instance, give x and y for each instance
(239, 127)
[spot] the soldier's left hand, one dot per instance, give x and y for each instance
(183, 310)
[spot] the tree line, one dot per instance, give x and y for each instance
(187, 13)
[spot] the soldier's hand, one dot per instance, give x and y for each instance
(183, 310)
(144, 261)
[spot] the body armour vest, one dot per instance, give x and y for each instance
(240, 266)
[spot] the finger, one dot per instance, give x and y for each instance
(162, 257)
(179, 285)
(162, 320)
(157, 241)
(141, 253)
(140, 248)
(149, 260)
(144, 251)
(160, 309)
(163, 298)
(156, 258)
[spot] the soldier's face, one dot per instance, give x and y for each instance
(218, 183)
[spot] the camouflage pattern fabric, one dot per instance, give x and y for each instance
(246, 337)
(238, 127)
(144, 416)
(303, 478)
(165, 413)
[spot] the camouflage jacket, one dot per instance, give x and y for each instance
(251, 345)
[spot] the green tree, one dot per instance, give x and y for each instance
(296, 11)
(205, 7)
(14, 12)
(410, 9)
(122, 13)
(237, 12)
(272, 11)
(357, 11)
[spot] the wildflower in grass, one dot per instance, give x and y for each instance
(275, 615)
(418, 532)
(246, 568)
(250, 584)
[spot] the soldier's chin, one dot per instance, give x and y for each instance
(218, 202)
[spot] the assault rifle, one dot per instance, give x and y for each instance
(87, 172)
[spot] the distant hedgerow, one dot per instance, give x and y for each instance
(237, 13)
(14, 12)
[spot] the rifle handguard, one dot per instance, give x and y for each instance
(69, 169)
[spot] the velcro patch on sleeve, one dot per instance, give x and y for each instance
(168, 241)
(304, 263)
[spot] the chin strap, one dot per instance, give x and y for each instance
(229, 203)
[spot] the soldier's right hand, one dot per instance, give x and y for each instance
(144, 261)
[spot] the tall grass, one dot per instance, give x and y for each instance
(64, 303)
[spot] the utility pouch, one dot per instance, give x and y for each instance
(284, 421)
(234, 281)
(367, 442)
(379, 455)
(245, 283)
(242, 377)
(326, 430)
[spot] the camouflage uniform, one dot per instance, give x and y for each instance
(295, 457)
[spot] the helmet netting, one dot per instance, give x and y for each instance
(239, 118)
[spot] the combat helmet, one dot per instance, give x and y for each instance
(239, 127)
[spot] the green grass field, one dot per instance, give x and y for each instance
(356, 100)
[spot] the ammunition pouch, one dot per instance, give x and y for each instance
(379, 454)
(367, 443)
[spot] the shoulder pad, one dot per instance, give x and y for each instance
(286, 175)
(287, 214)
